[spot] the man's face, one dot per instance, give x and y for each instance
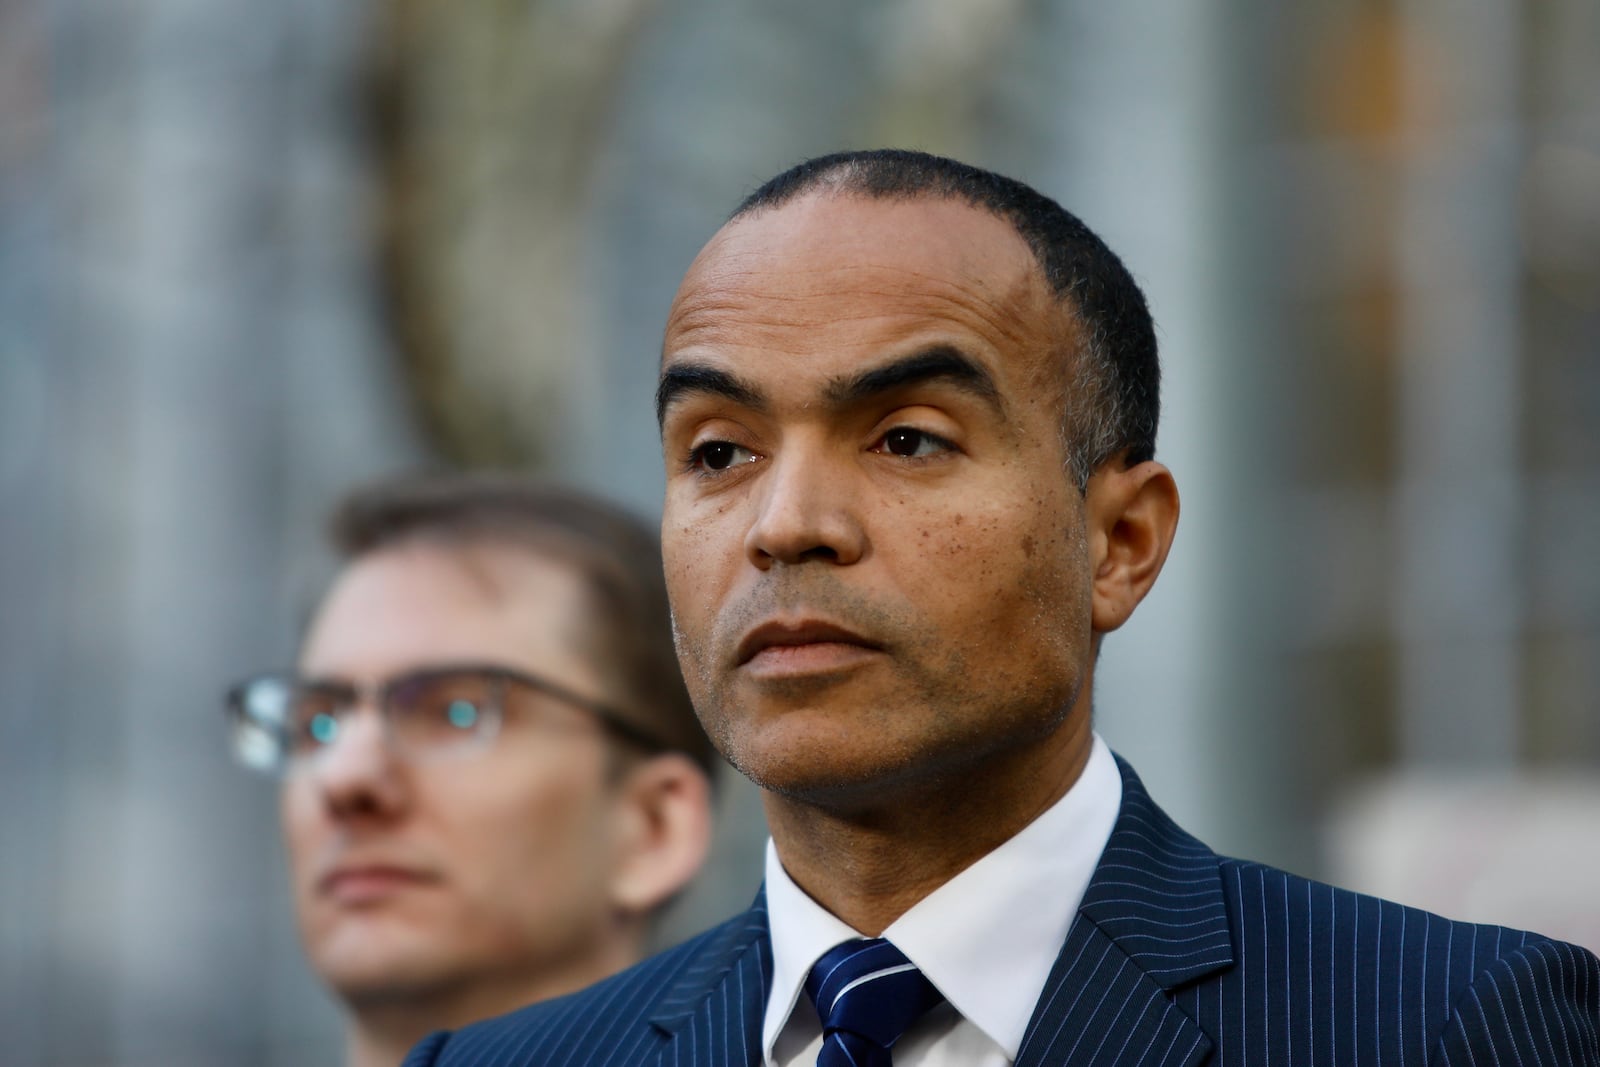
(427, 877)
(876, 559)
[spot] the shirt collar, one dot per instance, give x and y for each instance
(990, 962)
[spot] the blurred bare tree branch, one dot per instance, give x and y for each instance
(486, 117)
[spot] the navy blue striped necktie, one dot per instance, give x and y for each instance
(867, 994)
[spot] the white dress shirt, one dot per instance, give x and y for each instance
(987, 938)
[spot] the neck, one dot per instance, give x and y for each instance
(372, 1044)
(869, 864)
(382, 1029)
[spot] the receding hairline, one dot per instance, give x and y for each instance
(835, 185)
(853, 179)
(712, 251)
(828, 188)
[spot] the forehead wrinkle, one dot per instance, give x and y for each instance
(773, 275)
(1011, 310)
(736, 318)
(716, 315)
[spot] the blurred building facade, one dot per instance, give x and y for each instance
(250, 253)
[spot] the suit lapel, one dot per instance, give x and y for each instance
(712, 1015)
(1153, 919)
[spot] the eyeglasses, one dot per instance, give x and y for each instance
(280, 722)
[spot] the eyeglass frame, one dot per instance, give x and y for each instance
(354, 694)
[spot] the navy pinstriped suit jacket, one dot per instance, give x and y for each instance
(1177, 957)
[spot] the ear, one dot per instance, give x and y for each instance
(664, 808)
(1132, 514)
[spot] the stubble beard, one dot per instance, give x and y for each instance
(925, 734)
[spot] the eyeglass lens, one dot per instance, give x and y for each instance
(284, 720)
(442, 710)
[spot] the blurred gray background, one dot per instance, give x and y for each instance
(253, 252)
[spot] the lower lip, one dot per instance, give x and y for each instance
(820, 657)
(367, 887)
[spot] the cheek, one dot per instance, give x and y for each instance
(698, 560)
(684, 563)
(304, 826)
(685, 576)
(1003, 581)
(309, 836)
(526, 823)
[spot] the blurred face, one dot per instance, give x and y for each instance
(877, 561)
(428, 877)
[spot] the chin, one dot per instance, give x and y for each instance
(379, 960)
(820, 768)
(392, 977)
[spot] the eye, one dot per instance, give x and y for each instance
(463, 714)
(719, 456)
(313, 719)
(324, 728)
(909, 443)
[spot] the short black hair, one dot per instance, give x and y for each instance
(616, 553)
(1114, 381)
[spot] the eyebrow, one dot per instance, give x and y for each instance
(936, 363)
(687, 378)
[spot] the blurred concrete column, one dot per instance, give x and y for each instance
(1458, 603)
(193, 354)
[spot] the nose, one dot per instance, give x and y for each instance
(806, 512)
(358, 774)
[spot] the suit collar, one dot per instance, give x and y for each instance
(1158, 893)
(1154, 918)
(712, 1012)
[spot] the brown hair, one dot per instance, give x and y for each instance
(617, 553)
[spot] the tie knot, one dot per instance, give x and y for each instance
(868, 990)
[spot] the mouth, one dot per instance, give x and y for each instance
(802, 646)
(368, 883)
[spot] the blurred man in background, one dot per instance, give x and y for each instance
(492, 777)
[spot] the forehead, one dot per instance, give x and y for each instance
(416, 604)
(845, 275)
